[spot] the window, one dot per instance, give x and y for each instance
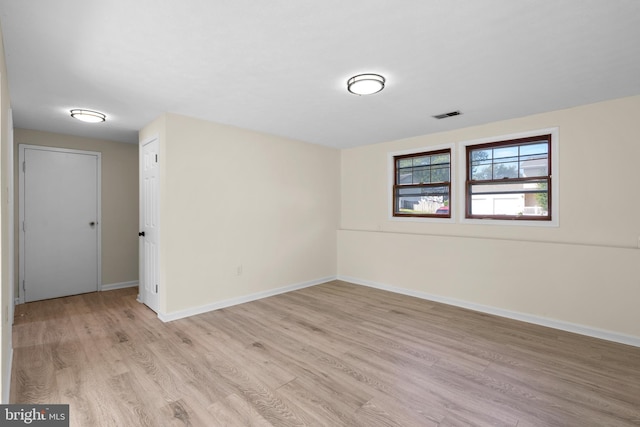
(422, 184)
(510, 179)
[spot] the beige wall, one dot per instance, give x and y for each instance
(119, 199)
(231, 197)
(584, 272)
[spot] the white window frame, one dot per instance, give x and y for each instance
(555, 179)
(453, 198)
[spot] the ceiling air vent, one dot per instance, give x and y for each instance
(445, 115)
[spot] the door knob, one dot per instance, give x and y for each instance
(92, 223)
(141, 233)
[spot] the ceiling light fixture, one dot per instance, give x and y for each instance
(365, 84)
(88, 116)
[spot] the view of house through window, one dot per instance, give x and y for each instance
(422, 184)
(509, 179)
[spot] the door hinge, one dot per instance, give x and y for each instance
(24, 226)
(156, 289)
(24, 166)
(156, 158)
(24, 287)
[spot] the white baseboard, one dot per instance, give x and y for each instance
(168, 317)
(121, 285)
(537, 320)
(6, 384)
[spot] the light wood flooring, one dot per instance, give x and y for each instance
(336, 354)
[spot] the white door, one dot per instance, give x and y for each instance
(60, 213)
(149, 215)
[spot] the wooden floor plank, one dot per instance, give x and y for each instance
(235, 411)
(335, 354)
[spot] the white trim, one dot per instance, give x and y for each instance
(555, 181)
(524, 317)
(453, 200)
(11, 221)
(99, 214)
(121, 285)
(168, 317)
(6, 386)
(21, 179)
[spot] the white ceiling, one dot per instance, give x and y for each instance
(281, 66)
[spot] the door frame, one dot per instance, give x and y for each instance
(12, 219)
(21, 201)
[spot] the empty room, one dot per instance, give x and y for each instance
(320, 213)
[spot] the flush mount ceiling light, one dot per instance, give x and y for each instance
(365, 84)
(88, 116)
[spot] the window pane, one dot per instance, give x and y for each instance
(405, 163)
(505, 170)
(482, 171)
(514, 161)
(512, 199)
(534, 160)
(532, 149)
(505, 152)
(422, 200)
(481, 164)
(419, 191)
(420, 161)
(440, 173)
(534, 167)
(423, 169)
(404, 177)
(440, 159)
(480, 155)
(422, 175)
